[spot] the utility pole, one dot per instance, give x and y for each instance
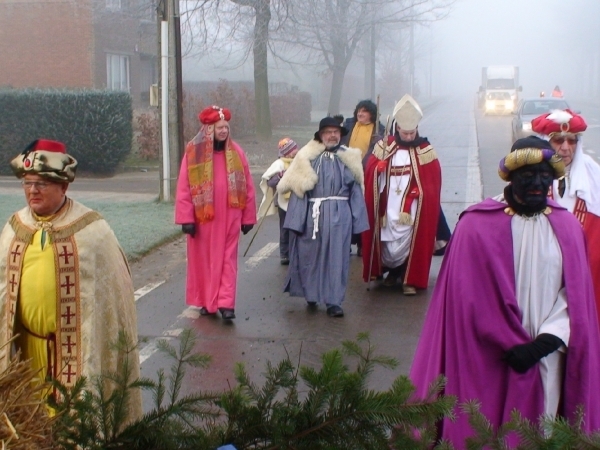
(411, 57)
(170, 88)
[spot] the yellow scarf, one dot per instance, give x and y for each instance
(361, 137)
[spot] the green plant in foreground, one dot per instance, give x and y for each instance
(548, 434)
(334, 410)
(296, 407)
(91, 413)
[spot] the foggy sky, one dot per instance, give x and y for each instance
(554, 42)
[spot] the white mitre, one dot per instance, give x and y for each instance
(407, 113)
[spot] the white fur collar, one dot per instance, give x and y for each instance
(301, 177)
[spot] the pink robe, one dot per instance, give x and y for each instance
(212, 254)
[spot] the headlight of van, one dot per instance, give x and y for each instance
(526, 126)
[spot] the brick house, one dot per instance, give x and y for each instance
(100, 44)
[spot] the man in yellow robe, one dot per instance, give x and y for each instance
(66, 288)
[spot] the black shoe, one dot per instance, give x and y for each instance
(227, 314)
(335, 311)
(205, 312)
(311, 304)
(440, 251)
(359, 251)
(285, 261)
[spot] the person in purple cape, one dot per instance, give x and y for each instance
(512, 321)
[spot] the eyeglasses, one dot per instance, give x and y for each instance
(561, 139)
(39, 185)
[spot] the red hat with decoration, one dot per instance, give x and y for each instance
(46, 158)
(213, 114)
(558, 122)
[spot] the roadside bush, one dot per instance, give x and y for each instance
(238, 99)
(95, 125)
(290, 109)
(147, 135)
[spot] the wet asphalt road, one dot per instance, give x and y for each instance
(270, 324)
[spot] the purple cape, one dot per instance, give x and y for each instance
(474, 318)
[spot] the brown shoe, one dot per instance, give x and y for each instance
(409, 290)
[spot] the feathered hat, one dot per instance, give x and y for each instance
(558, 121)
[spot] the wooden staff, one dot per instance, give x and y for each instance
(262, 219)
(376, 203)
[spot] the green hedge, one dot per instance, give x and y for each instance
(95, 125)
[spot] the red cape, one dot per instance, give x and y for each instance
(427, 177)
(591, 229)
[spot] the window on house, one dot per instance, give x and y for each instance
(117, 72)
(147, 77)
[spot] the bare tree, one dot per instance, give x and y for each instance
(330, 30)
(216, 24)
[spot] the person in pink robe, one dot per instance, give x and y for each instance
(215, 200)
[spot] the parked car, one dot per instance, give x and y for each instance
(498, 102)
(528, 109)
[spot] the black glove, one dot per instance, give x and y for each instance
(524, 356)
(246, 228)
(189, 228)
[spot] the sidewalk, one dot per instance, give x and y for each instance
(125, 187)
(127, 201)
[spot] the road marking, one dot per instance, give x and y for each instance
(474, 186)
(261, 255)
(588, 150)
(146, 289)
(152, 346)
(173, 333)
(150, 349)
(190, 312)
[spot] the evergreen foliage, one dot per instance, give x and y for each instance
(548, 434)
(296, 407)
(333, 409)
(90, 414)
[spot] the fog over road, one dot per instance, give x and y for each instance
(270, 324)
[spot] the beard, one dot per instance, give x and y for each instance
(332, 145)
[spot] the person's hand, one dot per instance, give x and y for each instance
(381, 166)
(246, 228)
(189, 228)
(523, 357)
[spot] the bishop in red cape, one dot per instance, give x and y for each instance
(402, 192)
